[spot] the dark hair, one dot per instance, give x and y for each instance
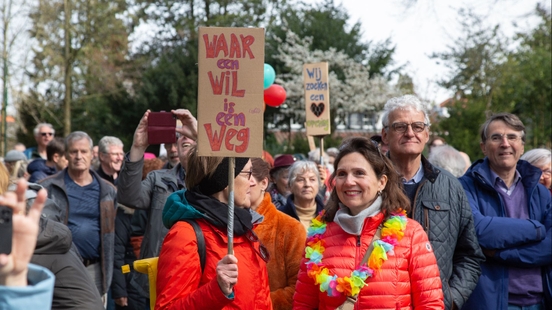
(393, 197)
(199, 167)
(260, 168)
(56, 146)
(511, 120)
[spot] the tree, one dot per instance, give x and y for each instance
(355, 92)
(488, 75)
(80, 52)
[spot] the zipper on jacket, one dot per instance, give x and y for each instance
(358, 241)
(426, 220)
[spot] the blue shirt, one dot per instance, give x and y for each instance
(84, 216)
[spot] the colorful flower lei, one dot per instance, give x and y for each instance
(391, 233)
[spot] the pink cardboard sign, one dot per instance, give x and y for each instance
(230, 94)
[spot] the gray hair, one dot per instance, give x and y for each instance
(314, 155)
(77, 136)
(300, 167)
(332, 151)
(511, 120)
(448, 158)
(406, 102)
(106, 142)
(538, 157)
(37, 128)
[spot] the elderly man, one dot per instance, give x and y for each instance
(438, 201)
(43, 134)
(87, 203)
(151, 193)
(110, 151)
(513, 221)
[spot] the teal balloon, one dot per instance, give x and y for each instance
(269, 75)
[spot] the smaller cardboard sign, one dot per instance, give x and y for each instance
(230, 92)
(317, 99)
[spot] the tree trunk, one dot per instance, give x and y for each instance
(67, 81)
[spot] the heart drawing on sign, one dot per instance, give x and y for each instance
(317, 109)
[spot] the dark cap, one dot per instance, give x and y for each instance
(218, 181)
(282, 161)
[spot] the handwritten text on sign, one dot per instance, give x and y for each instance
(230, 92)
(317, 99)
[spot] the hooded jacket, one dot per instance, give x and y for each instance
(517, 242)
(180, 282)
(284, 238)
(409, 279)
(39, 170)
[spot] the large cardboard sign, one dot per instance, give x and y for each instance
(230, 94)
(317, 99)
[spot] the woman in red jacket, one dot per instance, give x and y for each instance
(363, 252)
(238, 281)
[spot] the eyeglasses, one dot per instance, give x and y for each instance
(248, 173)
(547, 173)
(511, 137)
(402, 127)
(376, 144)
(44, 134)
(116, 154)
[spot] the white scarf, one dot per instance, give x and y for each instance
(353, 224)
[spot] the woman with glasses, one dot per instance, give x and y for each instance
(363, 252)
(303, 203)
(541, 158)
(238, 281)
(283, 236)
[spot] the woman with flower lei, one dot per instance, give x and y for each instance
(400, 272)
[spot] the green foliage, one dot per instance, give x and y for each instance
(489, 78)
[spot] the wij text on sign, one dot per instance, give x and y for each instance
(230, 95)
(317, 99)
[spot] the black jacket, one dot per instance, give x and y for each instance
(442, 208)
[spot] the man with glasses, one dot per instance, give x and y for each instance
(513, 221)
(43, 134)
(110, 153)
(438, 201)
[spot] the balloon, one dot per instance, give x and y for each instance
(269, 75)
(275, 95)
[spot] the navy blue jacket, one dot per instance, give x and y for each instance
(38, 170)
(517, 242)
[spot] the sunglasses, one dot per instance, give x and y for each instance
(44, 134)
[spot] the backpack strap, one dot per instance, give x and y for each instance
(200, 242)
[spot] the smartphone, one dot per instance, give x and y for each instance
(6, 230)
(161, 128)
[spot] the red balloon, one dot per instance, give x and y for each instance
(275, 95)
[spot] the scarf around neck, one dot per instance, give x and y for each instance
(216, 212)
(353, 224)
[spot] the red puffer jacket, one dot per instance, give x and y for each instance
(409, 279)
(180, 284)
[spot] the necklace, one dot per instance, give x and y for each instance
(391, 233)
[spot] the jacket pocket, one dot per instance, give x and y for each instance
(436, 220)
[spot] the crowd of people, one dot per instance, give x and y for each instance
(373, 224)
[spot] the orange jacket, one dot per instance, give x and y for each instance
(408, 279)
(181, 285)
(284, 237)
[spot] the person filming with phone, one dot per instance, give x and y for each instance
(22, 285)
(151, 193)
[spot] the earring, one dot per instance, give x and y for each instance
(379, 192)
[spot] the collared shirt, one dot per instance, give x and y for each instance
(417, 177)
(499, 184)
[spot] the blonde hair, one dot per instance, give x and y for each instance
(4, 179)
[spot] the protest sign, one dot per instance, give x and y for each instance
(317, 99)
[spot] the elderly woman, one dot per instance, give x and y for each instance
(283, 236)
(363, 252)
(279, 189)
(303, 203)
(541, 158)
(223, 281)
